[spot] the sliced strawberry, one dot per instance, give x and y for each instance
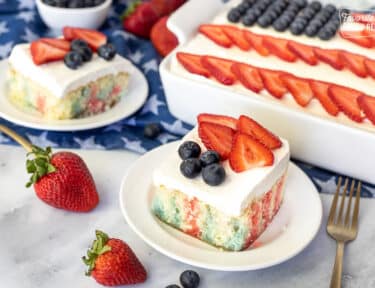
(216, 137)
(370, 67)
(250, 127)
(56, 42)
(94, 38)
(248, 76)
(363, 17)
(219, 68)
(42, 52)
(256, 41)
(320, 90)
(279, 47)
(354, 62)
(304, 52)
(299, 88)
(346, 100)
(216, 34)
(192, 63)
(162, 38)
(237, 36)
(358, 37)
(248, 153)
(367, 104)
(272, 82)
(331, 57)
(218, 119)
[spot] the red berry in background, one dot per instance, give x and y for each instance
(112, 262)
(62, 180)
(162, 38)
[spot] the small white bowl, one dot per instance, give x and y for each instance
(57, 18)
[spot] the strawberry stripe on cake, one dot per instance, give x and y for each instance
(332, 97)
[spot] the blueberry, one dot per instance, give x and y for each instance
(78, 43)
(73, 60)
(300, 3)
(243, 7)
(308, 13)
(278, 9)
(311, 30)
(249, 19)
(317, 22)
(281, 24)
(256, 11)
(107, 51)
(191, 167)
(287, 17)
(189, 279)
(189, 149)
(234, 15)
(325, 34)
(76, 4)
(316, 5)
(151, 130)
(85, 52)
(173, 286)
(292, 8)
(209, 157)
(265, 20)
(213, 174)
(271, 14)
(297, 28)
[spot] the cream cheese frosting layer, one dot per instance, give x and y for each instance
(238, 189)
(201, 45)
(58, 78)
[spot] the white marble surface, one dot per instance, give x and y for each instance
(42, 246)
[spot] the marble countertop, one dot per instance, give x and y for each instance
(42, 246)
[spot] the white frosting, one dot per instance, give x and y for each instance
(238, 189)
(201, 45)
(58, 78)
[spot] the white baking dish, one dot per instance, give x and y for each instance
(315, 140)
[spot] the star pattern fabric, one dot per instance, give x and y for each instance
(20, 22)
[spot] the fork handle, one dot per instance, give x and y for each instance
(337, 269)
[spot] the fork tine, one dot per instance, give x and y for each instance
(356, 206)
(349, 203)
(343, 195)
(334, 202)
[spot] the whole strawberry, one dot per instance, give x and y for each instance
(112, 262)
(62, 180)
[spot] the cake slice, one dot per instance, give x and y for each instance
(40, 82)
(229, 199)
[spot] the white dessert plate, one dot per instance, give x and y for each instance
(136, 97)
(292, 229)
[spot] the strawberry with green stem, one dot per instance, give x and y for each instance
(61, 179)
(112, 262)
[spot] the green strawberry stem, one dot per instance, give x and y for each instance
(130, 9)
(99, 247)
(19, 139)
(40, 165)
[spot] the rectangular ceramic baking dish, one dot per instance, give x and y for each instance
(327, 144)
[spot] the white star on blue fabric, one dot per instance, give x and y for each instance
(26, 4)
(134, 145)
(41, 140)
(176, 127)
(4, 139)
(29, 35)
(152, 105)
(327, 186)
(132, 121)
(165, 138)
(151, 65)
(136, 57)
(88, 143)
(3, 27)
(5, 49)
(114, 127)
(26, 16)
(123, 34)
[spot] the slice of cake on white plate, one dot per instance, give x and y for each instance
(66, 78)
(225, 183)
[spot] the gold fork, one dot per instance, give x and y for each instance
(343, 230)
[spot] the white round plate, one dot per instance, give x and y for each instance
(133, 100)
(292, 229)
